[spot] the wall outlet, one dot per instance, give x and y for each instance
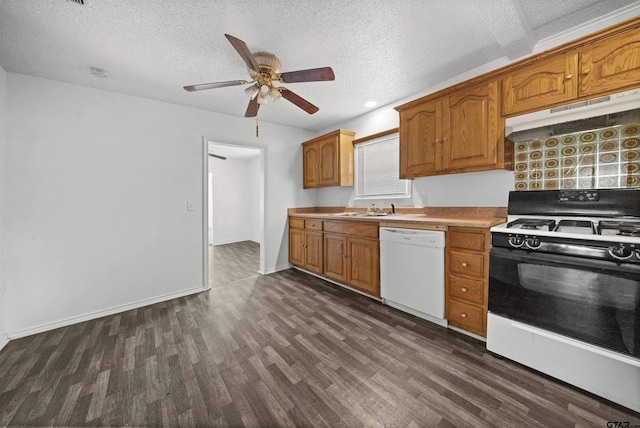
(423, 199)
(191, 206)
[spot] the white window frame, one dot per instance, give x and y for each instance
(392, 135)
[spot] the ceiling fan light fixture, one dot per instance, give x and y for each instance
(263, 99)
(275, 94)
(251, 91)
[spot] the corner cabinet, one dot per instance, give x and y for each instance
(328, 160)
(598, 68)
(467, 272)
(459, 132)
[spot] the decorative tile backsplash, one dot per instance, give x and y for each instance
(597, 159)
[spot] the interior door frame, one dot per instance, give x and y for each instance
(205, 205)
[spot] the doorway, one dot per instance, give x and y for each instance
(235, 212)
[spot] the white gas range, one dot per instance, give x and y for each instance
(564, 288)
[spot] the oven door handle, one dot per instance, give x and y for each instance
(560, 259)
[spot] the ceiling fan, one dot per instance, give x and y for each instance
(265, 70)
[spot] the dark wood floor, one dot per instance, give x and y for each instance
(285, 349)
(231, 262)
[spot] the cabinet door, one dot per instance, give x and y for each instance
(296, 247)
(611, 65)
(335, 257)
(311, 165)
(420, 133)
(329, 161)
(542, 84)
(470, 137)
(364, 265)
(313, 251)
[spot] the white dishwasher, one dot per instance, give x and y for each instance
(412, 271)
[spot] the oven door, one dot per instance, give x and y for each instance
(590, 300)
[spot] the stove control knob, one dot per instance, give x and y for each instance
(621, 252)
(533, 243)
(516, 241)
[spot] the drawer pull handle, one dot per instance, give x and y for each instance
(569, 76)
(465, 264)
(463, 315)
(586, 71)
(464, 289)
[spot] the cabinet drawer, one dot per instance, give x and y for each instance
(313, 224)
(466, 240)
(469, 264)
(360, 229)
(465, 316)
(466, 289)
(296, 223)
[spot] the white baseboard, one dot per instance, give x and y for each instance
(277, 269)
(99, 314)
(3, 342)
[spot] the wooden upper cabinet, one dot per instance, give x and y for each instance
(611, 65)
(540, 84)
(420, 135)
(459, 132)
(311, 162)
(473, 128)
(328, 160)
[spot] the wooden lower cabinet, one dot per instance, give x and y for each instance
(363, 261)
(348, 252)
(353, 261)
(467, 272)
(306, 244)
(336, 257)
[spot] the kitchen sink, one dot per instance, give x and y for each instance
(360, 214)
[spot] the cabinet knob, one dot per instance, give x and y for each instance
(465, 264)
(345, 256)
(569, 76)
(463, 315)
(586, 71)
(464, 289)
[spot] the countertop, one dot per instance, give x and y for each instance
(428, 218)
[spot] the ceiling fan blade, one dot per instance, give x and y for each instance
(252, 108)
(203, 86)
(299, 101)
(244, 52)
(310, 75)
(217, 156)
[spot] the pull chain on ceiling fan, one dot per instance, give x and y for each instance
(265, 71)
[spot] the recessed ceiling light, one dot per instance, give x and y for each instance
(99, 72)
(371, 104)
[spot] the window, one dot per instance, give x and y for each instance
(377, 163)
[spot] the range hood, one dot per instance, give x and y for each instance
(611, 110)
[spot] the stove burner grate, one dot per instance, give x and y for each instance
(532, 224)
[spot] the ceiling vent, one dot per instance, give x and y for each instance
(80, 2)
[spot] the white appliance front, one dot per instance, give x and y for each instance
(608, 374)
(412, 271)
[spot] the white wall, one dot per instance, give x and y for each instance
(96, 218)
(3, 128)
(236, 200)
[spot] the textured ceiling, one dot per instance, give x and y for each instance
(385, 50)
